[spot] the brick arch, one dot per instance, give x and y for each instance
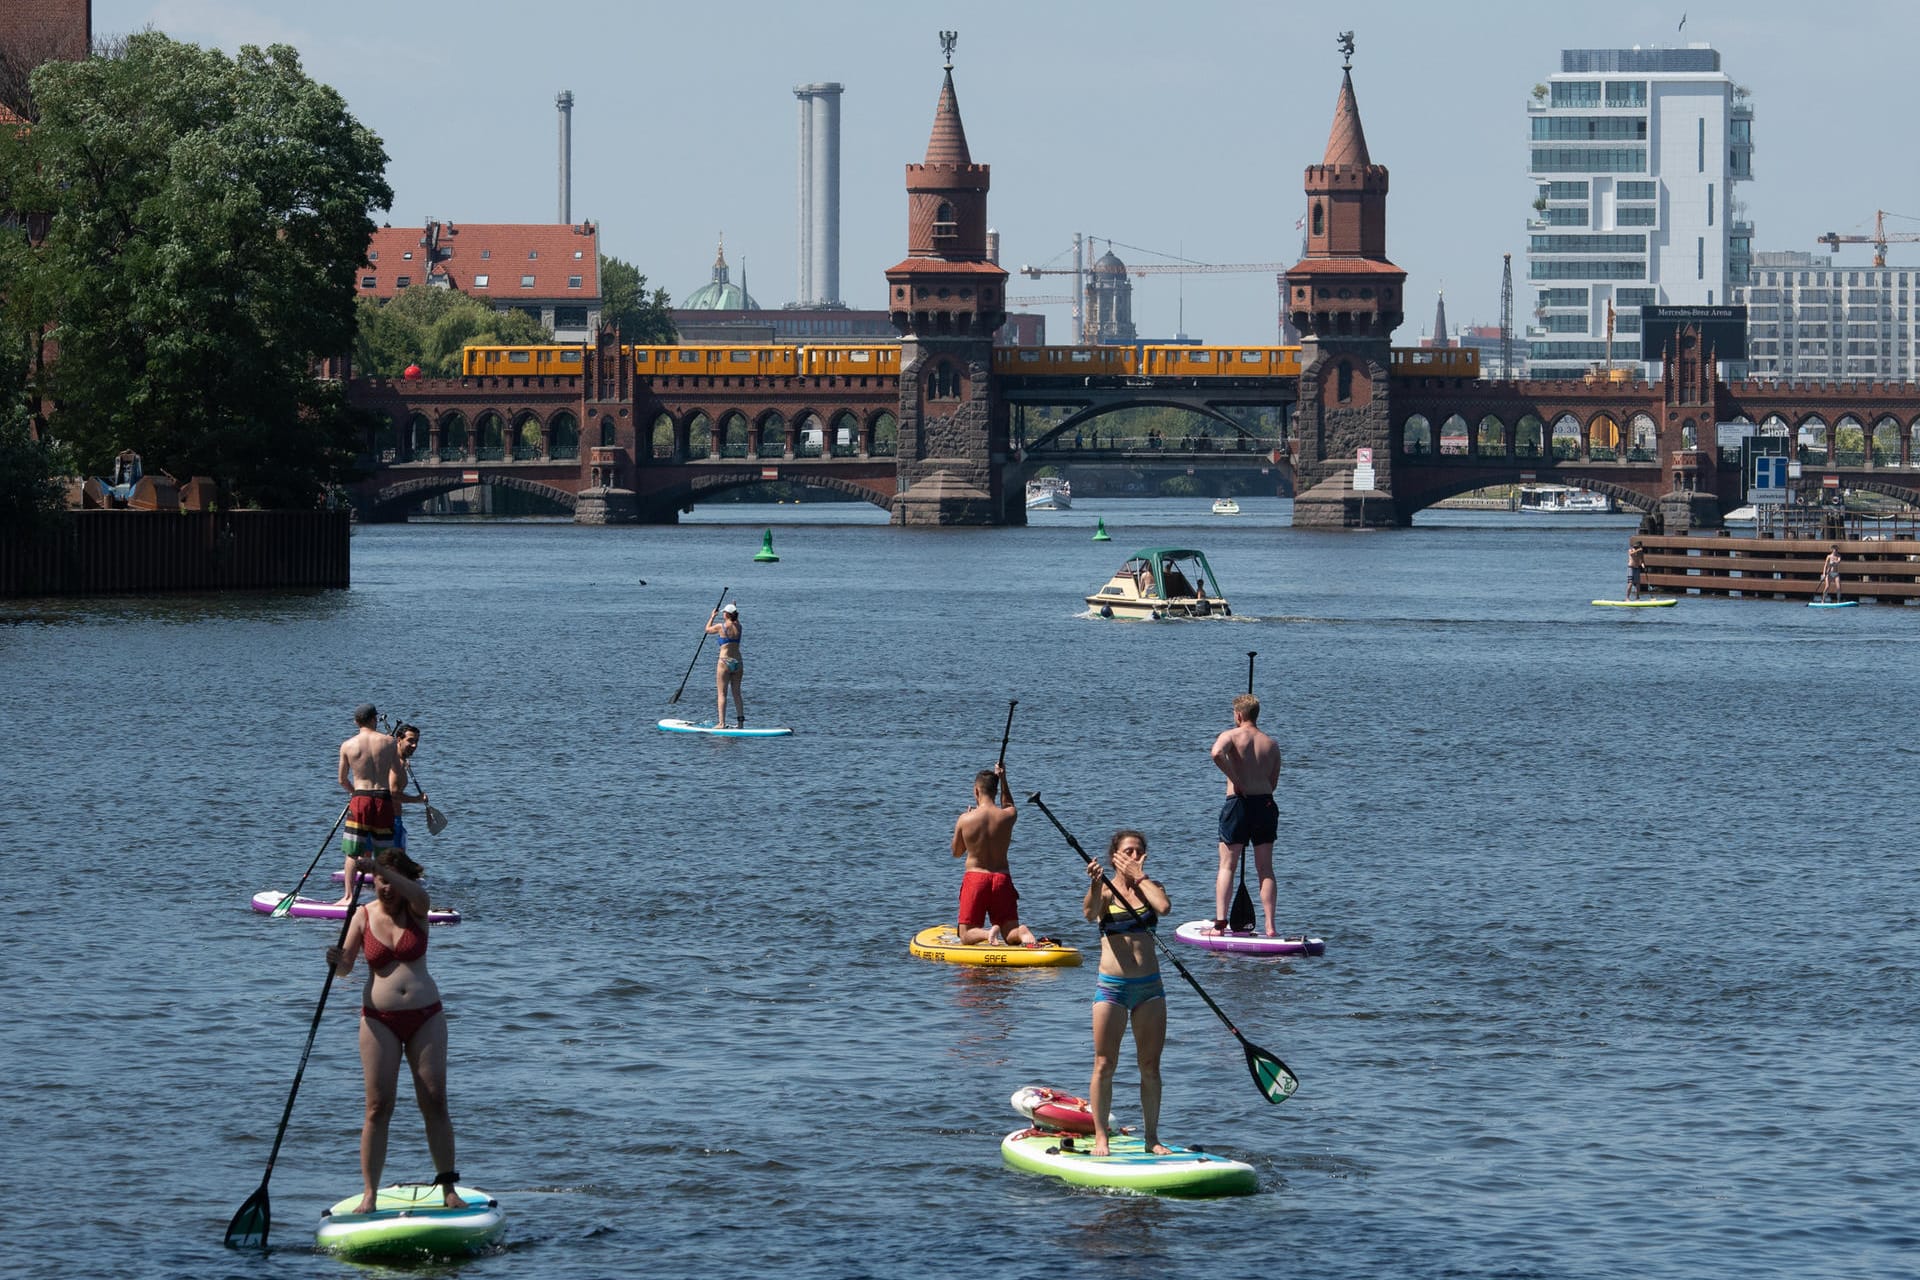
(1081, 417)
(408, 492)
(683, 494)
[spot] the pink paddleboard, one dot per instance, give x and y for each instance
(1052, 1109)
(1199, 933)
(315, 909)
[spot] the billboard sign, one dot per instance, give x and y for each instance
(1723, 329)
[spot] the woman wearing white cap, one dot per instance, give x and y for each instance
(725, 623)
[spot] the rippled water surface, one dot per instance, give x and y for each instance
(1619, 906)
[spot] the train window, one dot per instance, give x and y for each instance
(741, 357)
(641, 355)
(1080, 357)
(689, 357)
(569, 357)
(526, 282)
(1200, 357)
(519, 357)
(1029, 357)
(480, 281)
(860, 357)
(1252, 357)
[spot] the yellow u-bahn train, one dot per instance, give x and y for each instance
(779, 361)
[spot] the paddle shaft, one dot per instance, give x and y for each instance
(281, 907)
(313, 1031)
(696, 650)
(1008, 732)
(1033, 798)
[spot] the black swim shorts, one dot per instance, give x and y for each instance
(1249, 820)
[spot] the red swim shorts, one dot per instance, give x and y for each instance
(369, 824)
(988, 893)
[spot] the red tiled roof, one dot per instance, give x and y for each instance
(498, 253)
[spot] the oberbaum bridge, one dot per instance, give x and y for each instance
(959, 454)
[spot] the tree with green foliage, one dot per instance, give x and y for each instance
(208, 216)
(643, 319)
(30, 491)
(429, 327)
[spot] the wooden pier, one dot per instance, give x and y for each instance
(102, 552)
(1884, 569)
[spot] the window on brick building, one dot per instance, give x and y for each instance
(526, 282)
(480, 282)
(532, 254)
(408, 255)
(573, 282)
(368, 282)
(401, 282)
(486, 253)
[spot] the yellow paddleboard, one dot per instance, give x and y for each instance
(942, 943)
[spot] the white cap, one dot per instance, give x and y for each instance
(731, 608)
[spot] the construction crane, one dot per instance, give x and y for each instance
(1879, 239)
(1040, 300)
(1166, 269)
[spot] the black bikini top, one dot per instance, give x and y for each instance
(1117, 919)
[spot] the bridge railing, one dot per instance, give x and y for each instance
(1110, 440)
(491, 453)
(566, 452)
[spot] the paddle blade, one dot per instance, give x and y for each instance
(436, 821)
(1271, 1074)
(283, 906)
(1240, 918)
(248, 1230)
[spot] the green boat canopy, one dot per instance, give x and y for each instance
(1162, 559)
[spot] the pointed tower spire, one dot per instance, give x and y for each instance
(948, 144)
(1440, 320)
(1347, 142)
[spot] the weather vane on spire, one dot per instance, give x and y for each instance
(947, 40)
(1346, 47)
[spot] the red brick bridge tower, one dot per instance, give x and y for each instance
(946, 300)
(1345, 298)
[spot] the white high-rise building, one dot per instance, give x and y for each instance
(1634, 153)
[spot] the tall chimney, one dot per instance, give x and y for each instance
(565, 103)
(819, 257)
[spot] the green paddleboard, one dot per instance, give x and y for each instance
(411, 1221)
(1184, 1171)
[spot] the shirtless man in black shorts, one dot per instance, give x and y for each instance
(1251, 761)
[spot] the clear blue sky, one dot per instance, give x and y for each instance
(1181, 128)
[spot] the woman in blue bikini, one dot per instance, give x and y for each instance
(1129, 982)
(726, 625)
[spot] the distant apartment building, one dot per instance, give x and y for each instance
(551, 271)
(1809, 320)
(1634, 154)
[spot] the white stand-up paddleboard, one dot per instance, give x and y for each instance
(1666, 603)
(315, 909)
(720, 730)
(1831, 604)
(411, 1222)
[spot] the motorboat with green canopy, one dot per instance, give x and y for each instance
(1162, 582)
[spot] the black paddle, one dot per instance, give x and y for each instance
(696, 651)
(1240, 918)
(1011, 704)
(1275, 1080)
(250, 1224)
(285, 904)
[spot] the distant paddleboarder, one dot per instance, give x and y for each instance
(1251, 761)
(1830, 573)
(725, 623)
(1636, 568)
(989, 907)
(367, 763)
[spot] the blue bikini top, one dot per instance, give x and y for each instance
(1119, 920)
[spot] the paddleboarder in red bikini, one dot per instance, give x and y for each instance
(367, 763)
(982, 836)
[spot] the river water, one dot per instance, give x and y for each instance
(1619, 905)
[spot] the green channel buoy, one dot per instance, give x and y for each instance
(1100, 533)
(765, 554)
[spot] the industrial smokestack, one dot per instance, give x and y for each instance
(565, 103)
(993, 246)
(819, 283)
